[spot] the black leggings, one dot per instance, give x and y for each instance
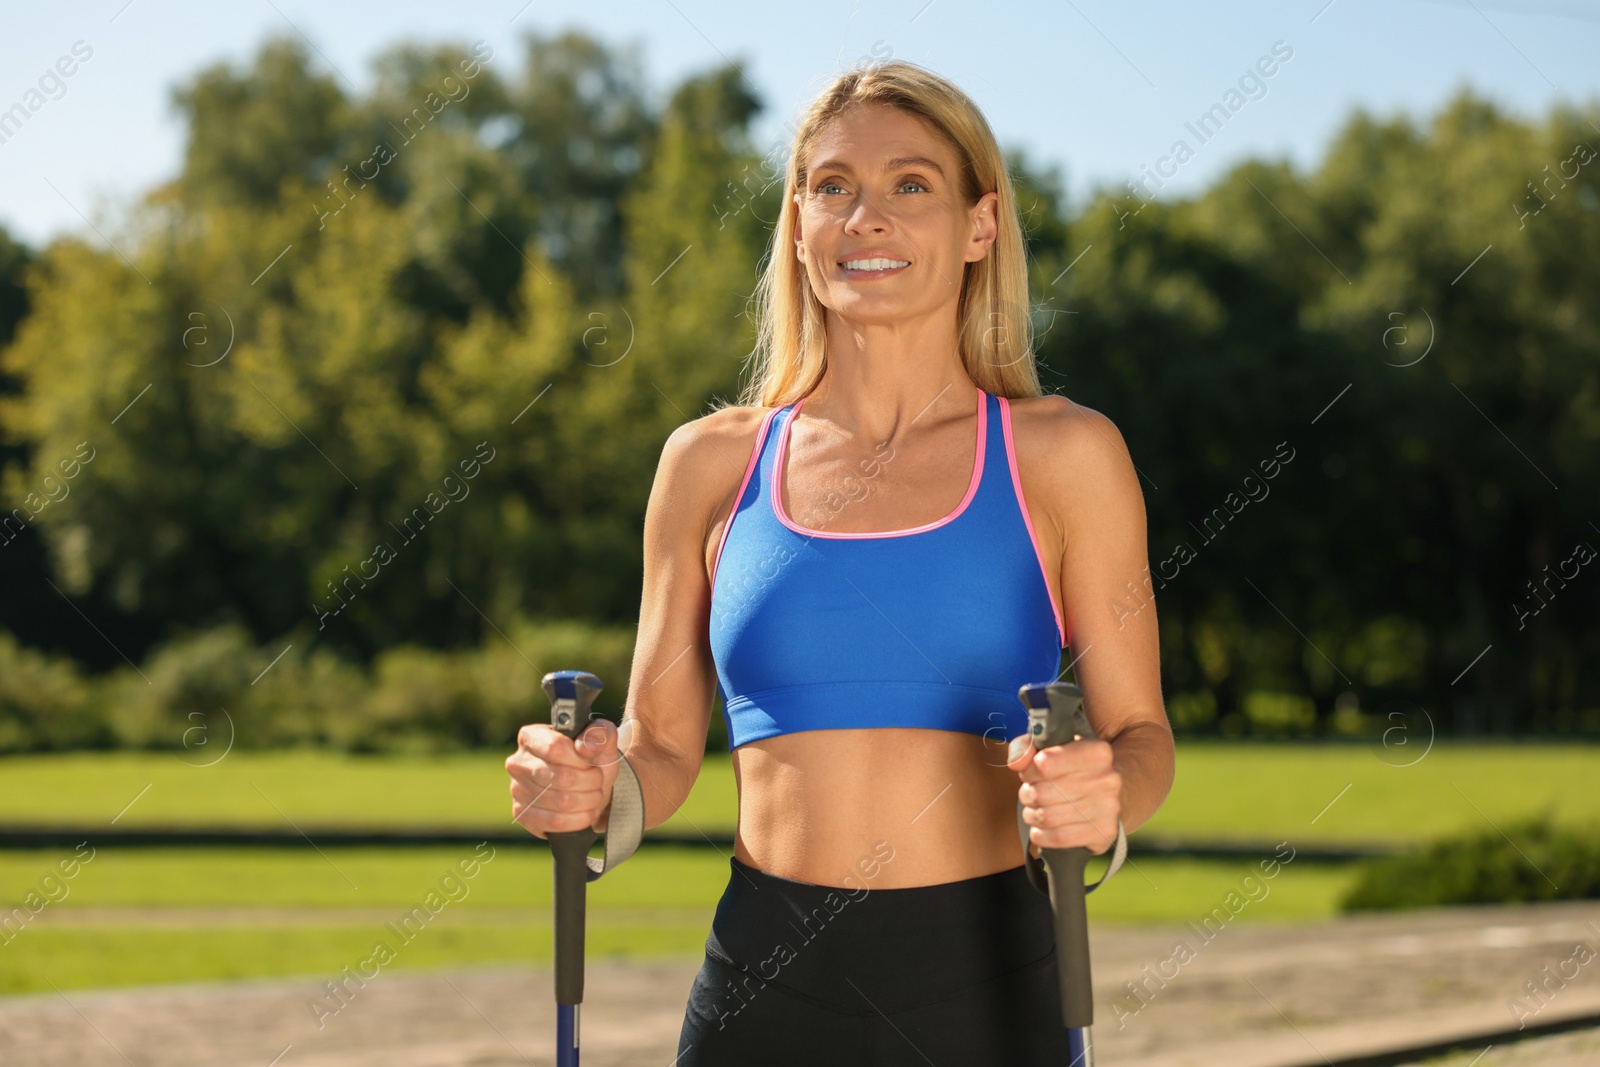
(953, 975)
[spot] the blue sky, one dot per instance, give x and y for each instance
(1099, 89)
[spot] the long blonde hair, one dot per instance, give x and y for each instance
(993, 325)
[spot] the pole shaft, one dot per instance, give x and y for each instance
(571, 892)
(566, 1035)
(1064, 867)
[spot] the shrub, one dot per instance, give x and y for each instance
(1541, 861)
(426, 700)
(310, 696)
(420, 700)
(213, 689)
(186, 682)
(1273, 714)
(45, 703)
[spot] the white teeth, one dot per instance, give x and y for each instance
(876, 264)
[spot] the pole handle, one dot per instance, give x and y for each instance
(571, 696)
(1056, 717)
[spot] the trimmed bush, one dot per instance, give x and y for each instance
(45, 703)
(216, 687)
(189, 681)
(1541, 861)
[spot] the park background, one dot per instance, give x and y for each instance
(456, 309)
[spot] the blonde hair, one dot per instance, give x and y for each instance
(993, 324)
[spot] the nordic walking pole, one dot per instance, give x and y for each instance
(1056, 717)
(571, 694)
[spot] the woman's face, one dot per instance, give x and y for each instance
(881, 184)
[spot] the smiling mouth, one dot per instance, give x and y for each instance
(873, 265)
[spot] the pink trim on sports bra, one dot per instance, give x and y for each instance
(749, 470)
(1016, 485)
(972, 483)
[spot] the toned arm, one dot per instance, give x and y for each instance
(673, 678)
(1093, 502)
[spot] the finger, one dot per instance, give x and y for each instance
(1092, 809)
(522, 802)
(536, 814)
(550, 745)
(1075, 773)
(1098, 812)
(541, 823)
(598, 744)
(1046, 791)
(1077, 757)
(558, 800)
(1097, 796)
(535, 772)
(1019, 755)
(1079, 835)
(1092, 822)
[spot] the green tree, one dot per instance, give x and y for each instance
(248, 131)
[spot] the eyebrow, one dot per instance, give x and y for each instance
(897, 163)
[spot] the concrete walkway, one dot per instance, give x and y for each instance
(1248, 996)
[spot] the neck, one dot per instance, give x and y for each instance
(876, 384)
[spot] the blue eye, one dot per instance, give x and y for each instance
(823, 186)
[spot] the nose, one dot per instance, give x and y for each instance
(865, 214)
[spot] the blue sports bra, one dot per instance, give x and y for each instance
(937, 626)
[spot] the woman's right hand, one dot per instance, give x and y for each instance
(558, 785)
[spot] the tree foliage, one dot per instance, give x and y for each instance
(382, 371)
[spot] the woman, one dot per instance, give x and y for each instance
(866, 586)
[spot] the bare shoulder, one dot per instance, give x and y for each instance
(1075, 469)
(715, 447)
(703, 461)
(1055, 436)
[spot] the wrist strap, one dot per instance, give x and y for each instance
(624, 826)
(1035, 866)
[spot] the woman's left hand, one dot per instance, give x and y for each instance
(1071, 794)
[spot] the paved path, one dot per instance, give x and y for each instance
(1565, 1050)
(1249, 996)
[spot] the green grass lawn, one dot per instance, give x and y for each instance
(134, 916)
(1258, 791)
(1283, 791)
(306, 787)
(138, 916)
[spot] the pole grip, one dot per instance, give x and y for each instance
(571, 696)
(1065, 867)
(571, 906)
(1056, 717)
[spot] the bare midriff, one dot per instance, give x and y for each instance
(815, 805)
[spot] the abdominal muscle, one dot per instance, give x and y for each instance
(827, 806)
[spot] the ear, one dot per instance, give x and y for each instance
(799, 235)
(985, 226)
